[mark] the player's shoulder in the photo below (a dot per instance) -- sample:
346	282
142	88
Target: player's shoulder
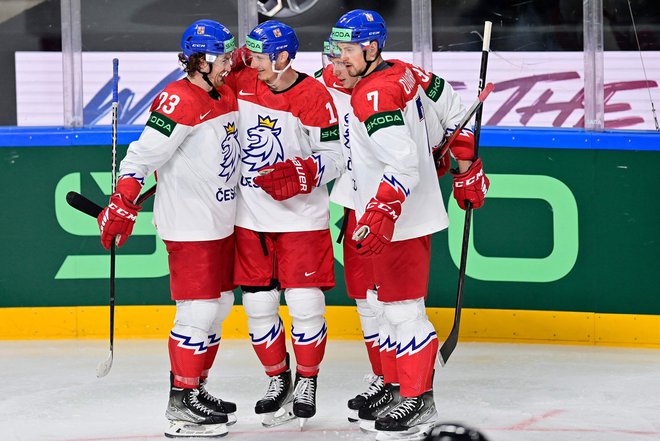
177	102
311	102
381	91
309	92
432	84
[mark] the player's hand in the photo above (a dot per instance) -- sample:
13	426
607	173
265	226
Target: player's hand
471	186
286	179
376	226
462	147
442	161
118	218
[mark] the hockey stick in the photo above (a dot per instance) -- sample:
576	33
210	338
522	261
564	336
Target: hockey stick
474	108
81	203
104	367
450	343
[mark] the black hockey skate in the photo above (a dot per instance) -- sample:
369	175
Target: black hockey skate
275	406
216	404
189	418
375	390
304	398
411	419
378	405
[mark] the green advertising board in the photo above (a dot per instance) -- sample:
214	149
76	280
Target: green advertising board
563	229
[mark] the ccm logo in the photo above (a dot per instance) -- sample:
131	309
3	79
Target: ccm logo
469	181
123	213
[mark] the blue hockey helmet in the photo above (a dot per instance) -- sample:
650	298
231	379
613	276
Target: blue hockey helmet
272	37
360	26
207	37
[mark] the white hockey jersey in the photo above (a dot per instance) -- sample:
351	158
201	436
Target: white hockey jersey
300	121
191	142
389	140
344	186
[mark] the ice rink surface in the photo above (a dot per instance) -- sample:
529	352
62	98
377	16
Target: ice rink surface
510	392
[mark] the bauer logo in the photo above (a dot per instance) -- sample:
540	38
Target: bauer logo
384	119
161	123
339	34
254	45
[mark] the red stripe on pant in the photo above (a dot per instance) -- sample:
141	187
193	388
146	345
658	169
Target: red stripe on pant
416	371
186	366
272	357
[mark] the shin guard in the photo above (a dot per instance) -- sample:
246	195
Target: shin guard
417	346
266	329
188	342
370	326
309	329
226	301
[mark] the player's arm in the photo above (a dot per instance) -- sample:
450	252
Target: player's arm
445	110
300	175
470	182
159	140
393	145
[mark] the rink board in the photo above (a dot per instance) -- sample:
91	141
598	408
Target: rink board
565	249
482	325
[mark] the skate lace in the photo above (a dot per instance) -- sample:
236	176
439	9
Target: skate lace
207	396
194	402
305	391
375	387
275	388
403	408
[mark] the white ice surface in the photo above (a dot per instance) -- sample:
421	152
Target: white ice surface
511	392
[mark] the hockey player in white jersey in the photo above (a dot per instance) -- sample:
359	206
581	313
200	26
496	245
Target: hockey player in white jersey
290	140
191	141
443	110
357	269
396	185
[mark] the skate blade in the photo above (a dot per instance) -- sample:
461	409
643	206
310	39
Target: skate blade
185	429
301	422
368	426
416	433
231	419
282	416
353	416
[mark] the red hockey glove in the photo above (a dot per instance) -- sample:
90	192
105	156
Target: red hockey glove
375	228
462	147
442	163
118	218
471	186
289	178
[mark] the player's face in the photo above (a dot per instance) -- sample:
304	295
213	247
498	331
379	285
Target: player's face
339	70
262	64
221	67
351	54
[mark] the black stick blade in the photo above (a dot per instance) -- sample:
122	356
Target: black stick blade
81	203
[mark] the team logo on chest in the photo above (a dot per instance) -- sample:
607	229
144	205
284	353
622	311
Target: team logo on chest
230	150
264	146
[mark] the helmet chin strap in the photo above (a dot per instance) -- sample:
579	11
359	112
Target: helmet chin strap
368	63
278	72
213	93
